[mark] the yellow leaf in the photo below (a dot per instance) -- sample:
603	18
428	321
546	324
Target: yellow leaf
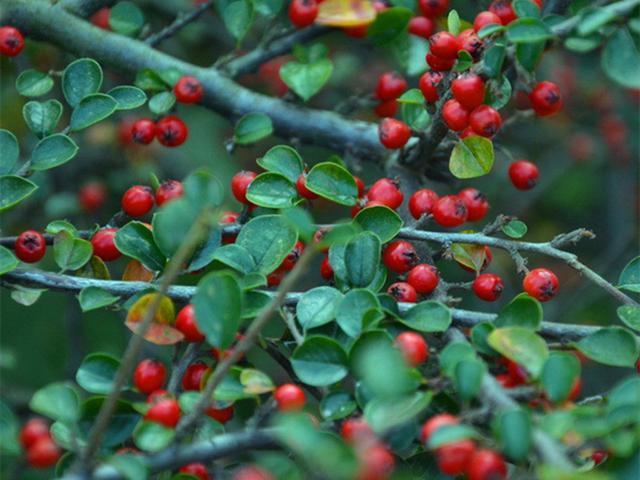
165	314
346	13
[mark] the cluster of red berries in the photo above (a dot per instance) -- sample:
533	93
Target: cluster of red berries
42	451
11	41
303	13
390	86
170	131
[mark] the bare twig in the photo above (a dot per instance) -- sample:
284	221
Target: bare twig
182	20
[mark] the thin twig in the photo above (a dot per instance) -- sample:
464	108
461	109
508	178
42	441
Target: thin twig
181	21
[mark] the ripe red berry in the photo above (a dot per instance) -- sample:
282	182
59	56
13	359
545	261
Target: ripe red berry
376	463
360	185
476	203
424	278
486	464
198	470
385	192
444	45
455	115
32	431
274	278
301	185
169	190
30	246
439	64
171	131
453	458
355	429
485	121
517	373
402	292
289	397
188	90
433	8
303	13
220	415
434	423
390	86
11	41
421	26
326	270
523	174
43	453
186	323
429	82
149	376
386	109
239	184
104	245
92	196
229	218
414	348
471	43
422	202
292	258
468	90
485	18
393	133
599	456
576	388
504	10
400	256
137	201
545	99
101	18
165	411
143	131
488	287
450	211
541	284
193	375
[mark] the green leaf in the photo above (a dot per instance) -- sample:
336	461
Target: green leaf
412	109
126	18
9	431
523	311
521	345
493	60
333	182
96	373
389	25
621	59
203	189
558	375
526	8
272	190
237	16
614	346
135	240
450	434
284	160
91	110
630	276
529	54
206	253
317	306
381	220
161	103
514	430
58	226
92	298
14	190
53	151
80	79
498	92
479	334
630	315
32	83
361	259
306	79
236	257
454	353
269	239
71	253
42	117
58	401
252	127
453	23
353	308
428	316
150	80
594	19
319	361
467	378
515	229
128	97
583	44
8	260
383	414
218	303
490	30
152	437
129	465
337	405
528	30
10	152
175	216
471	157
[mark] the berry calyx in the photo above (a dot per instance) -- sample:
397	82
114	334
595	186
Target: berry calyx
485	121
171	131
541	283
523	174
444	45
11	41
421	27
433	8
92	196
43	453
165	411
137	201
453	458
385	192
485	18
476	203
422	202
455	115
424	278
240	183
168	190
303	13
450	211
186	323
32	431
488	287
434	423
193	375
468	90
486	464
301	185
188	90
393	133
149	376
414	348
143	131
400	256
104	245
198	470
390	86
289	397
428	84
402	292
30	246
545	99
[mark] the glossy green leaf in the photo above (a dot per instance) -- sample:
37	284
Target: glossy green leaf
92	298
91	110
526	8
9	431
150	80
126	18
467	378
558	375
515	433
284	160
361	259
471	157
237	16
80	79
528	30
135	240
42	117
380	220
450	434
490	29
453	23
522	345
252	127
479	334
272	190
333	182
8	260
614	346
498	92
593	19
129	465
32	83
318	306
128	97
14	190
306	79
515	229
236	257
10	152
269	239
530	54
428	316
630	315
152	437
493	60
53	151
71	253
453	354
319	361
203	189
161	103
523	311
383	414
177	215
630	276
352	309
96	373
206	253
412	110
621	59
389	25
337	405
58	401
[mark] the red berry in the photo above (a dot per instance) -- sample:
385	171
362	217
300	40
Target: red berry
402	292
504	10
165	411
239	184
390	86
485	18
450	211
104	245
169	190
439	64
325	269
476	203
92	196
523	174
220	415
289	397
186	323
414	348
453	458
303	13
360	185
576	388
188	90
541	284
292	258
229	218
387	109
400	256
433	8
376	463
198	470
599	456
101	18
11	41
468	90
301	185
157	395
517	373
149	375
545	99
488	287
422	202
429	82
193	376
274	278
43	453
355	429
444	45
424	278
30	246
171	131
393	133
471	43
137	201
485	121
421	26
455	115
434	423
505	380
486	464
143	131
32	431
386	192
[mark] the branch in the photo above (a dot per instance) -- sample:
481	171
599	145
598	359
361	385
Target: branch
181	21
